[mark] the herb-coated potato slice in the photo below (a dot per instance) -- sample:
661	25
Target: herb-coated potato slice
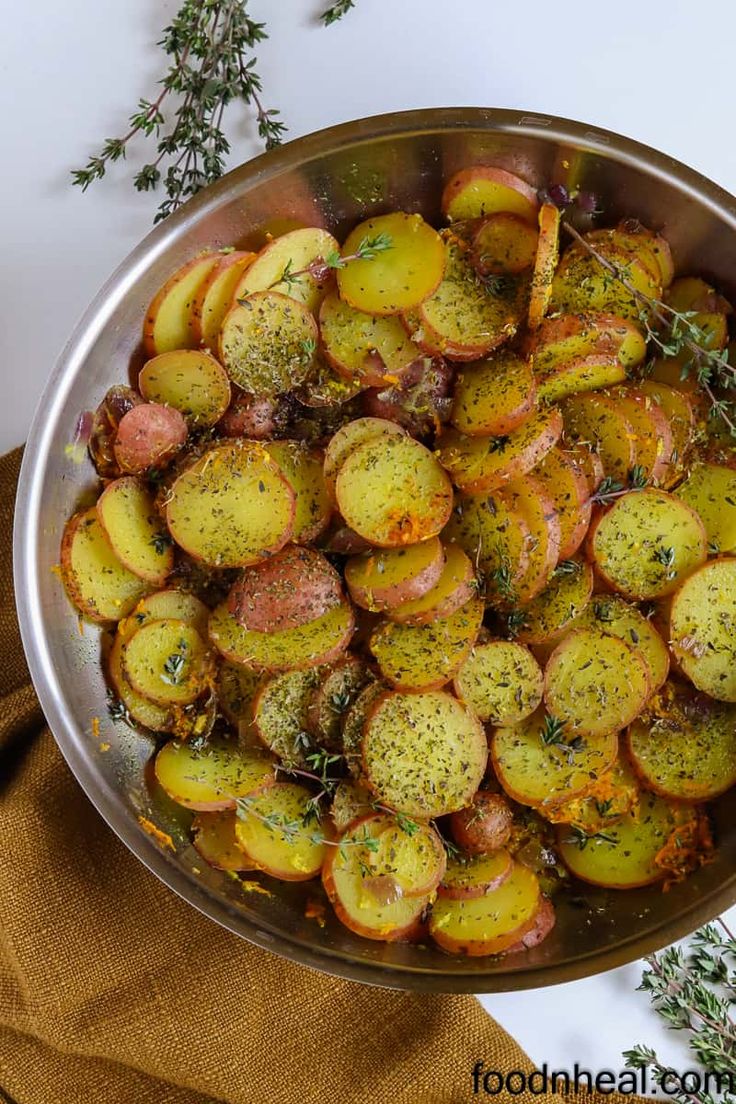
496	538
595	684
684	746
589	462
649	245
280	709
558	607
703	628
167	661
425	657
409	859
679	410
596	421
215	297
493	396
626	855
338	688
627	243
479	464
371	348
396	278
310	645
211	778
273	830
616	793
97	582
354	722
236	689
572	336
588	373
213	836
615	617
367	908
268	343
485	825
278	263
393	491
383	579
467	317
455	586
350	802
232	507
710	490
302	468
501	682
483	190
544	922
141	710
582	284
148	436
424	755
539	764
646	543
469	876
691	295
652	434
503	244
166	604
350	437
169	323
189	380
563	478
489	924
529	496
126	512
545	264
326	387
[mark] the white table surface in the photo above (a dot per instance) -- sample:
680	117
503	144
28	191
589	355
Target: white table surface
657	70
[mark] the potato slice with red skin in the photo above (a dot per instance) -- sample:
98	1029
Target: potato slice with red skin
501	682
303	468
582	284
503	244
325	387
392	491
148	436
640	239
126	512
354	723
691	294
167	661
497	539
710	490
311	645
350	801
544	923
395	279
280	708
118	400
96	581
189	380
652	434
369	349
385	578
646	543
293	587
479	464
559	606
292	253
627	243
350	437
529	497
494	396
249	416
490	924
702	619
589	462
482	190
409	859
426	657
420	401
469	876
545	264
595	684
339	688
295	855
213	837
169	321
679	409
614	616
216	295
571	336
455	586
484	827
599	423
588	373
268	343
211	778
565	483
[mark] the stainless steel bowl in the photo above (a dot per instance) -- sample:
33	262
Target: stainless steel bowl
334	178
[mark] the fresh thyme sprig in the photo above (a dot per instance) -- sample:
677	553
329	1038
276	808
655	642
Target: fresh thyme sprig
579	838
336	11
610	489
683	335
174	665
552	734
321	267
292	829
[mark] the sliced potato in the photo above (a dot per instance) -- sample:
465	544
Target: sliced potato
616	792
503	244
189	380
455	586
545	264
496	538
615	617
395	279
588	373
302	468
167	661
479	464
280	714
703	628
354	722
582	284
274	832
501	682
564	480
349	438
710	490
595	684
483	190
684	746
651	246
393	491
653	442
372	349
540	765
215	297
529	497
691	295
559	606
469	876
338	689
383	579
494	396
489	924
407	860
126	512
148	436
165	604
679	410
213	836
232	506
156	718
310	645
574	336
485	825
211	778
596	421
425	657
280	266
292	588
646	543
236	688
423	754
268	343
350	802
169	322
97	582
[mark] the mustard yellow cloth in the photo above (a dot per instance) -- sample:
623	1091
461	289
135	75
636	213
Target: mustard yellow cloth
114	991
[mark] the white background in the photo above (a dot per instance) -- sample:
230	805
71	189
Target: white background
657	70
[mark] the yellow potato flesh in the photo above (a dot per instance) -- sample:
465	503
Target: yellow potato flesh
597	421
456	574
414	860
214	839
710	490
420	657
559	605
378	575
157	718
501	682
491	923
616	793
588	374
354	723
212	777
583	285
272	831
96	580
170	603
281	714
494	536
489	391
236	690
591	331
167	661
481	196
350	801
491	461
318	641
352	339
615	617
472	875
563	479
268	343
685	295
703	629
169	323
303	470
217	298
189	380
528	496
350	437
135	530
290	254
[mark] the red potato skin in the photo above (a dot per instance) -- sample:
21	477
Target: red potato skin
457	182
345	541
292	587
249	416
589	463
471	892
524	463
660	429
530	587
421	400
65	556
387	598
462	593
485	825
115	405
544	923
148	436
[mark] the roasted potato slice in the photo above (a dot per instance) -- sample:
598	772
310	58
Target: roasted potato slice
190	381
564	480
148	436
214	777
236	689
96	580
455	586
708	310
126	512
425	657
496	538
280	714
588	373
215	297
569	337
339	687
354	722
615	617
559	606
385	578
501	682
616	793
489	924
529	497
350	802
303	469
503	244
653	442
483	190
167	662
372	349
325	387
213	836
349	438
493	396
596	421
169	321
479	464
702	628
268	343
679	409
273	830
142	711
485	825
710	490
280	266
469	876
310	645
545	264
583	285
